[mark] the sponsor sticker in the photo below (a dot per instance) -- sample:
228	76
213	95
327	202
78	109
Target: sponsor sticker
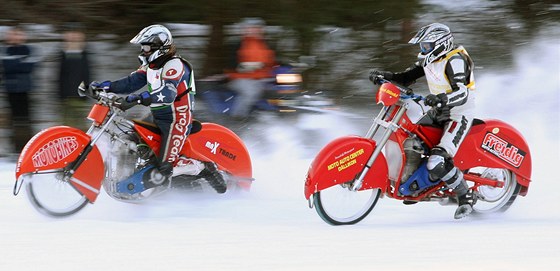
347	159
170	72
390	92
55	151
215	148
503	149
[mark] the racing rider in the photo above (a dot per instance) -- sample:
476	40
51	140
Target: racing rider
449	71
170	96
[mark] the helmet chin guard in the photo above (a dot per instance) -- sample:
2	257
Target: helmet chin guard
435	41
143	60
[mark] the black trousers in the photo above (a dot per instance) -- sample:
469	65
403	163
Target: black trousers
20	122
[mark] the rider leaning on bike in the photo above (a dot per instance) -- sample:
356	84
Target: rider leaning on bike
170	93
449	72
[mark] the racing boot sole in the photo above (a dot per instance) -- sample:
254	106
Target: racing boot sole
214	177
463	211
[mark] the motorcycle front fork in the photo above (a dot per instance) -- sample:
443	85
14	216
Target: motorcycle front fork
390	127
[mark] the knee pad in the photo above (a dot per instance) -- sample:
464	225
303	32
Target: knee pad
440	166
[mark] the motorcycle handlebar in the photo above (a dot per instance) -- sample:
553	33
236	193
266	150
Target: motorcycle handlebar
406	91
108	98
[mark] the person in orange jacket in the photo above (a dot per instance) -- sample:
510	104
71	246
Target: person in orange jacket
253	69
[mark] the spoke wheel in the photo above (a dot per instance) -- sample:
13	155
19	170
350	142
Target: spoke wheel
496	199
339	205
52	196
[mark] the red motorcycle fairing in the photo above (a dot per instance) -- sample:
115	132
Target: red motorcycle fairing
341	161
56	147
212	142
220	145
149	133
431	135
496	144
388	94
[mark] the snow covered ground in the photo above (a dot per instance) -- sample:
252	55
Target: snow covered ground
271	227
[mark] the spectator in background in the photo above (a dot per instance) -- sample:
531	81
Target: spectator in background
252	69
74	68
17	68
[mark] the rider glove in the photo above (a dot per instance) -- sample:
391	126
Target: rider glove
375	75
439	116
105	85
144	98
439	100
443	114
123	104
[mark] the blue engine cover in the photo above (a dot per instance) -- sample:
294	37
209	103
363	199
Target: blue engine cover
135	183
418	181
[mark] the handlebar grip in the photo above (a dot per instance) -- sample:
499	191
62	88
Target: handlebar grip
88	91
124	105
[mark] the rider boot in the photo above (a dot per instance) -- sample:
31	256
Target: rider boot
188	166
214	177
440	167
165	169
464	198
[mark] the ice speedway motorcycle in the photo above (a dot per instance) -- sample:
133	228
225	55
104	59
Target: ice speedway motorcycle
347	177
64	168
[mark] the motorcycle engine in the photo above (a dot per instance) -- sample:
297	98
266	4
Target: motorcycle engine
123	161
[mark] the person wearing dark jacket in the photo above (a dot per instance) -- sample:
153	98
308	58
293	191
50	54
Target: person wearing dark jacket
17	68
74	68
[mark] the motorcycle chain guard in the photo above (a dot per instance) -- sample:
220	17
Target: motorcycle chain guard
135	183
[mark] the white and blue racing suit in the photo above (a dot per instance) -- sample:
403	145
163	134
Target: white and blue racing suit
171	88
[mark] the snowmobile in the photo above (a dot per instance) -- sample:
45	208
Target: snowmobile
284	92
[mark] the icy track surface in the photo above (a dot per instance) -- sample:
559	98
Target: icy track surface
271	228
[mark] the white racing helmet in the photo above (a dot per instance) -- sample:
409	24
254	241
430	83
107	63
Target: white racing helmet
155	40
435	41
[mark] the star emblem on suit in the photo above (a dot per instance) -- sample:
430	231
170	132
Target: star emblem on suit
160	97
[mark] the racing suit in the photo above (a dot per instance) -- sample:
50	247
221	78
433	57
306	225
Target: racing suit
452	75
171	88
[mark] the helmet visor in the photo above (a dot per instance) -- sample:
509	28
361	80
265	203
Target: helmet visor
145	48
427	46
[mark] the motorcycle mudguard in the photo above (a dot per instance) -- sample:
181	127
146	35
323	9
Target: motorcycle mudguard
496	144
55	148
220	145
341	161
